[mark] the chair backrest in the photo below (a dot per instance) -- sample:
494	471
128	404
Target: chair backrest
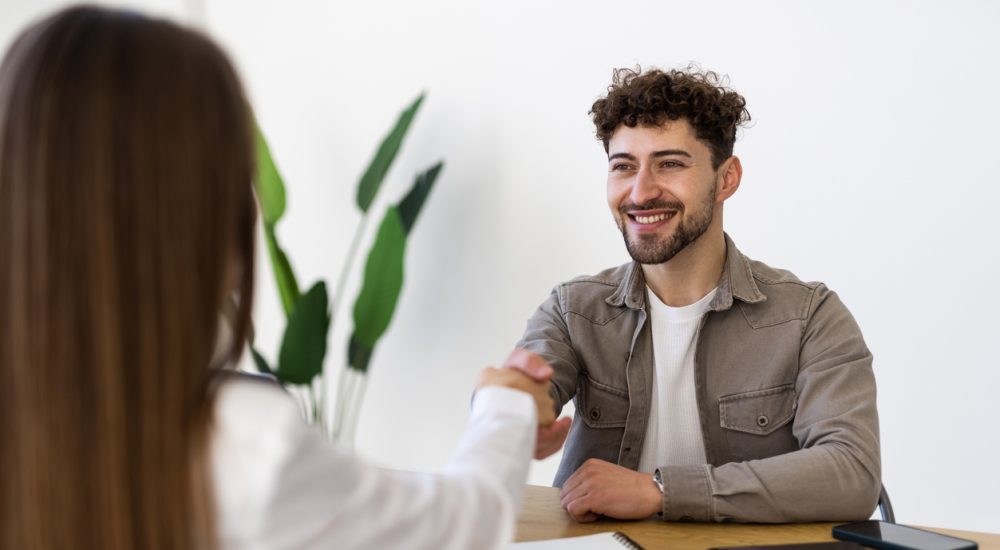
885	506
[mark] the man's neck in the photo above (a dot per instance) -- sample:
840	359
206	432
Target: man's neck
691	274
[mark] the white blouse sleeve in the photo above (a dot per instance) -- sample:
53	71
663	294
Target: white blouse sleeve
280	484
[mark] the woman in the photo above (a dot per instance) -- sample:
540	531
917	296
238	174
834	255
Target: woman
126	222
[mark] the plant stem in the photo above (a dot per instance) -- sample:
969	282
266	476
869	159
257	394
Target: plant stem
355	408
346	269
323	423
317	396
343	380
311	400
338	414
298	392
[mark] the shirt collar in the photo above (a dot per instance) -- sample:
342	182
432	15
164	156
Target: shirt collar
737	282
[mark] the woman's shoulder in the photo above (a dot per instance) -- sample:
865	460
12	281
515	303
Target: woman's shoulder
245	398
256	429
254	417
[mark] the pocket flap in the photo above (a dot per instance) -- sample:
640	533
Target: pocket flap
602	406
758	412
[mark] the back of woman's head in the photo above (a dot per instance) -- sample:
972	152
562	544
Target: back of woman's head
126	224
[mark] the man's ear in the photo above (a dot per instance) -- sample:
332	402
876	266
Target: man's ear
729	176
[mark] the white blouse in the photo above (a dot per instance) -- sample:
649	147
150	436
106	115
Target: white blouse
280	484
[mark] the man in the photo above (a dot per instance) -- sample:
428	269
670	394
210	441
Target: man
708	386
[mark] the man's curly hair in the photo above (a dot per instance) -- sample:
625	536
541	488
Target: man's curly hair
653	97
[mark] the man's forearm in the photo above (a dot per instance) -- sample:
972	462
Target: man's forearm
822	483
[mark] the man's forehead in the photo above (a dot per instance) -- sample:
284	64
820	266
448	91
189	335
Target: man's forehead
642	139
679	128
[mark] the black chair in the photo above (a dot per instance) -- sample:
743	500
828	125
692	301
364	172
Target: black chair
885	506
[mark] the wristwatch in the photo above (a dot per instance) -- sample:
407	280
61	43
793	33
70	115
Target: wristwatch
658	480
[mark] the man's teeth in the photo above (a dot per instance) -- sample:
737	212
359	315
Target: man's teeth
651	219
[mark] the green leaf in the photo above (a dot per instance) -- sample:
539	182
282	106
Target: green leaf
269	185
414	200
383	280
372	179
304	344
271	196
288	286
260	362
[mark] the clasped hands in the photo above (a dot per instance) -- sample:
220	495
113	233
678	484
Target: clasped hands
596	488
527	372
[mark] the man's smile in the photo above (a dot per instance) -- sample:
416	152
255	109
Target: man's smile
646	220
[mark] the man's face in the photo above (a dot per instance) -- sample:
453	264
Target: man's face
661	188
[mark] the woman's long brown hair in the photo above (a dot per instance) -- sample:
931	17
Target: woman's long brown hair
126	223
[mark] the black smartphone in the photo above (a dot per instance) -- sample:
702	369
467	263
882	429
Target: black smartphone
838	545
889	536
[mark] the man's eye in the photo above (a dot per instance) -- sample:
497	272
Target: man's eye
619	166
670	164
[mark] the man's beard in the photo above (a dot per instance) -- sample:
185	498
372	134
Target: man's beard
651	248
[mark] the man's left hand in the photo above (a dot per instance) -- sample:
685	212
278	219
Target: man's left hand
600	488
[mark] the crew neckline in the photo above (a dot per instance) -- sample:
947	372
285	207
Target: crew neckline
680	314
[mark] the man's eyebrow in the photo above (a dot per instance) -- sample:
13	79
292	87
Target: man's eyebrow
671	153
656	154
626	156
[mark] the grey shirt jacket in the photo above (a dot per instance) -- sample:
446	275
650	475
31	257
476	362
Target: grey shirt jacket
784	384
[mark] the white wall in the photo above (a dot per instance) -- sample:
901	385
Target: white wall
870	165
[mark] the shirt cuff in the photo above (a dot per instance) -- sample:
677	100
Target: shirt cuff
505	401
687	494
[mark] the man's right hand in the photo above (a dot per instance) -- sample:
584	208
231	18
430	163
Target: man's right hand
550	438
518	380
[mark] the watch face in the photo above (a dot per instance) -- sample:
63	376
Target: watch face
658	480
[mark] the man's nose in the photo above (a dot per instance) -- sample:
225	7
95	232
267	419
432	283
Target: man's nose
644	189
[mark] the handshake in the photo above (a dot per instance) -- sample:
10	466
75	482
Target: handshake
598	487
527	372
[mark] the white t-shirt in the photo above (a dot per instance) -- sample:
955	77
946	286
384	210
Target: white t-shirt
673	432
280	484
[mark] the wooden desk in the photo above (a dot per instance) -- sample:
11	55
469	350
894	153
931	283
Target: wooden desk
542	517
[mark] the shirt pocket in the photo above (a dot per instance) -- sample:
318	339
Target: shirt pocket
758	412
602	406
757	423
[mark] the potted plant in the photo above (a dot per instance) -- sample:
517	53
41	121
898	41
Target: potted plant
301	364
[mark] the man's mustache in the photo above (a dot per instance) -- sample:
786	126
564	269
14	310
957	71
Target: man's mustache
651	205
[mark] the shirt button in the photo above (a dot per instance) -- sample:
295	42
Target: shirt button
595	413
762	421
